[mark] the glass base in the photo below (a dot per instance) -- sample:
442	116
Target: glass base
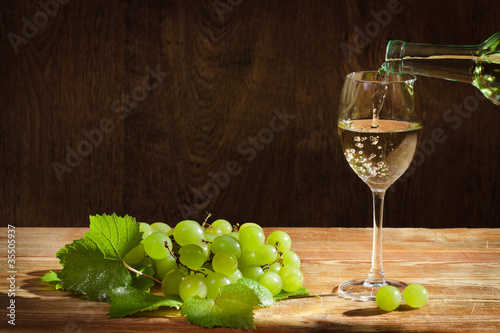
360	290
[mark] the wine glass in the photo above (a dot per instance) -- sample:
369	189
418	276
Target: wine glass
379	130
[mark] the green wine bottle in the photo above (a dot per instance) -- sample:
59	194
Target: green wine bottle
478	65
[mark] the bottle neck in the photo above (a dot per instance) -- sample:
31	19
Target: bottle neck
440	61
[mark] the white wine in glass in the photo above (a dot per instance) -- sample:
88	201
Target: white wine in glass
379	129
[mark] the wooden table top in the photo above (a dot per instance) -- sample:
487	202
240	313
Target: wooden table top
459	267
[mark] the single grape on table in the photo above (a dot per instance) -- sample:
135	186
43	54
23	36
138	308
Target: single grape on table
388	298
415	295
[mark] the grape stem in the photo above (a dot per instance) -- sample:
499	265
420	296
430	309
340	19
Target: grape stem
140	273
192	270
171	253
280	259
206	219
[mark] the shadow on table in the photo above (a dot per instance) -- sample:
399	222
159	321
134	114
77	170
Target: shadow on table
40	288
375	311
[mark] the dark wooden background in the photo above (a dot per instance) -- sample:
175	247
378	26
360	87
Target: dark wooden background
227	68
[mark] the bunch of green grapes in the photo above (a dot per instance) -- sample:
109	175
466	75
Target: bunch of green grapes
198	260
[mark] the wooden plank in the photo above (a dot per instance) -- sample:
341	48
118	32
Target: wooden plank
459	267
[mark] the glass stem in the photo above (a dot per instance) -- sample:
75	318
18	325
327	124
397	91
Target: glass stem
376	276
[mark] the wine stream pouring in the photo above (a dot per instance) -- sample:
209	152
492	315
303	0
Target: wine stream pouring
478	65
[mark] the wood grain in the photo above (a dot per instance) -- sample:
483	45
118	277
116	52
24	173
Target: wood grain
459	267
226	74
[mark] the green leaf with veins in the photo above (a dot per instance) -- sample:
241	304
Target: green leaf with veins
93	264
264	295
140	281
232	308
50	277
126	301
115	236
302	292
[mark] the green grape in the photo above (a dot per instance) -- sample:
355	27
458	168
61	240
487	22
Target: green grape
226	244
146	229
188	232
388	298
206	249
204	271
184	269
156	245
271	281
162	227
211	229
208	265
251	238
292	278
192	285
252	272
136	255
163	266
249	224
281	238
235	276
266	254
415	295
234	234
147	262
275	267
224	226
246	259
291	258
210	237
192	256
215	282
225	262
171	281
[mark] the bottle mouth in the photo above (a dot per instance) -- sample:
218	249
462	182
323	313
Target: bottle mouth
394	54
393	66
395	50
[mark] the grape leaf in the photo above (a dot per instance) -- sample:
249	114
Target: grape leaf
115	236
302	292
232	308
126	301
141	282
92	265
50	277
264	295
